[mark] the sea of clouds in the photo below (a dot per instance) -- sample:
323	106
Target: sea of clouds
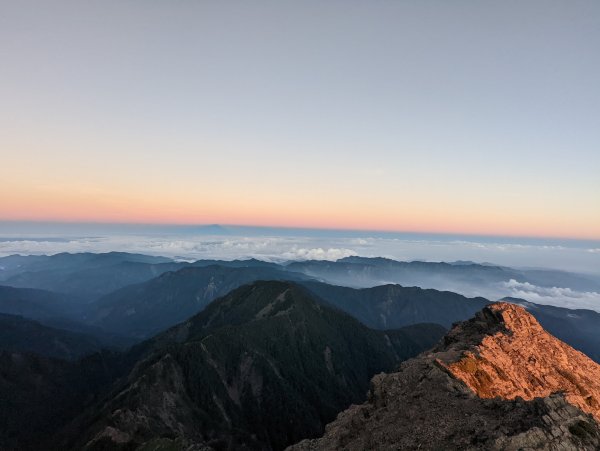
558	296
189	247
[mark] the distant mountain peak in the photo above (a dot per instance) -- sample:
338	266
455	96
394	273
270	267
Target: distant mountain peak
258	301
359	259
212	229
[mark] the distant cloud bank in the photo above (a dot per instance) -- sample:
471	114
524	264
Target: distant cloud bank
558	296
273	247
285	247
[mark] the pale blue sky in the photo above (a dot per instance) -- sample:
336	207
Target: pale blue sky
458	116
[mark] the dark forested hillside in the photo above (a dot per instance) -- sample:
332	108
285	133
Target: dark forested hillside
36	304
259	368
18	334
39	395
145	309
85	276
392	306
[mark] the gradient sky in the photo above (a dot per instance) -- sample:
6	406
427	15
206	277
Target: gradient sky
444	116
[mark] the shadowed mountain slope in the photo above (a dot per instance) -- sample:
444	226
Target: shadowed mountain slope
36	304
39	395
260	368
56	311
392	306
467	278
18	334
87	276
145	309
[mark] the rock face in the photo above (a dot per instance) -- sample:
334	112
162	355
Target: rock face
523	360
496	382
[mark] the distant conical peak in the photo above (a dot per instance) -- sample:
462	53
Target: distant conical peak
504	353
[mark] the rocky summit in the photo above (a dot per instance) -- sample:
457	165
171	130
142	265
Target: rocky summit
521	360
498	381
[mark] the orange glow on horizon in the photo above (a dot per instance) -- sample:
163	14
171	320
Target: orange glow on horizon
122	212
255	207
137	123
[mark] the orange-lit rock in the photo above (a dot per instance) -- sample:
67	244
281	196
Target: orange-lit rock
495	382
521	359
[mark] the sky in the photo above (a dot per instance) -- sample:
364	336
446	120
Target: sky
473	117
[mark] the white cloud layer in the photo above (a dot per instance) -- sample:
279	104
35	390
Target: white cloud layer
317	253
279	248
558	296
283	248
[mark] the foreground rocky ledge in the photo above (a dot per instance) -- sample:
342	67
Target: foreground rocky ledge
497	381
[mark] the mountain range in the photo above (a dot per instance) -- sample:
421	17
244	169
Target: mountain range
468	278
124	351
238	375
91	276
137	311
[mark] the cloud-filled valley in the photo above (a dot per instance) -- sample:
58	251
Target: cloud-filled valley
285	247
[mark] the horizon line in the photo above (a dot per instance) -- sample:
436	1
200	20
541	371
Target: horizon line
299	228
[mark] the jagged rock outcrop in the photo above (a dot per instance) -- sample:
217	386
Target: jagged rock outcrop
496	382
522	360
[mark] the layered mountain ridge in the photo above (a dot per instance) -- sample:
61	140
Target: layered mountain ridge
260	368
151	307
272	362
